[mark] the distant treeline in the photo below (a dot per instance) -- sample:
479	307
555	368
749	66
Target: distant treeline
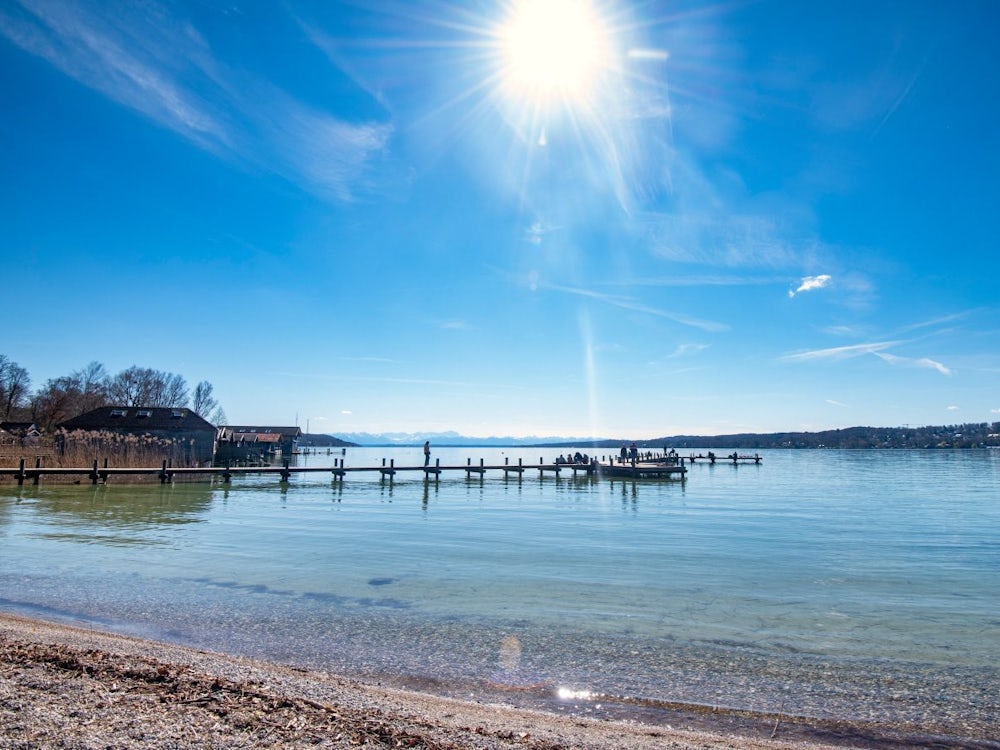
972	435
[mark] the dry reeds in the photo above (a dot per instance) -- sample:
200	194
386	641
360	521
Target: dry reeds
81	448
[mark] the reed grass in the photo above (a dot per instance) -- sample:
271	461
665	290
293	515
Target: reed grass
80	449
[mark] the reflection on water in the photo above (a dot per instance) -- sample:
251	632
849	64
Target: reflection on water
831	582
111	514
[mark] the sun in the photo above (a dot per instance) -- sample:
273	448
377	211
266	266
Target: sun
553	49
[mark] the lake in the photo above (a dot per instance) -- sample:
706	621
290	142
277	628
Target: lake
862	585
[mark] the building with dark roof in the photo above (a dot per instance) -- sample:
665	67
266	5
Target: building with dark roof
287	443
186	429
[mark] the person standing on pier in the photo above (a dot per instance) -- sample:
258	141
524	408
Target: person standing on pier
427	452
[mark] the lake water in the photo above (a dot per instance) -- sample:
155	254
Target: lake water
855	584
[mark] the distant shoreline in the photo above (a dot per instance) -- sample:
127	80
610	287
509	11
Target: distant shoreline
968	435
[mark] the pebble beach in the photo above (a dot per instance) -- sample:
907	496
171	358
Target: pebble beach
70	687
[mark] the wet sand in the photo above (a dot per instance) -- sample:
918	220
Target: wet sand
70	687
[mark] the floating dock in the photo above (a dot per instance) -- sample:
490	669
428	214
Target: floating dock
642	470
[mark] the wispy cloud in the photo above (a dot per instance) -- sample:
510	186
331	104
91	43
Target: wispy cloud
535	233
840	331
936	321
721	238
132	58
686	350
839	352
837	403
810	283
628	303
162	67
892	359
659	55
681	280
384	360
877	349
952	408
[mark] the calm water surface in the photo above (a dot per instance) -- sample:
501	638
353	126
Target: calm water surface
855	584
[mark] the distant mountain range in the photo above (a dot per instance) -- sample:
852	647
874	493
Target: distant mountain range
969	435
450	439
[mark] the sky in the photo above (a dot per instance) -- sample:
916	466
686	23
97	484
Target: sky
612	219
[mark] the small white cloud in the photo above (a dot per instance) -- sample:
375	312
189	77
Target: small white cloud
455	325
837	403
953	408
809	283
346	412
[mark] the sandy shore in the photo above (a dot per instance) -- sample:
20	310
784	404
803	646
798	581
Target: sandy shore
67	687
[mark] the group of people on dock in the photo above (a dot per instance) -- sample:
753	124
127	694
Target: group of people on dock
576	458
629	452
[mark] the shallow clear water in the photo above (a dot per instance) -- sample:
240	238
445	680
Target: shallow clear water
860	584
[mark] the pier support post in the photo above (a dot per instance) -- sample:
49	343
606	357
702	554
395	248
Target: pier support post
20	474
38	474
387	472
285	473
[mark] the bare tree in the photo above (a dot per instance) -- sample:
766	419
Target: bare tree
173	391
203	402
14	385
71	395
56	401
93	381
206	405
143	386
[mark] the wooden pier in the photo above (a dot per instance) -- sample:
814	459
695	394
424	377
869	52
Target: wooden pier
733	458
100	474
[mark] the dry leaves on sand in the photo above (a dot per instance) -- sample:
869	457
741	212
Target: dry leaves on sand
96	699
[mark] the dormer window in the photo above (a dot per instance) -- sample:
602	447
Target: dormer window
178	413
119	412
144	413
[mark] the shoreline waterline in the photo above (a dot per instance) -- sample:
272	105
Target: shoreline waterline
729	689
643	724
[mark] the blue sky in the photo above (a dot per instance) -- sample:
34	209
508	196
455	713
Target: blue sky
663	218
